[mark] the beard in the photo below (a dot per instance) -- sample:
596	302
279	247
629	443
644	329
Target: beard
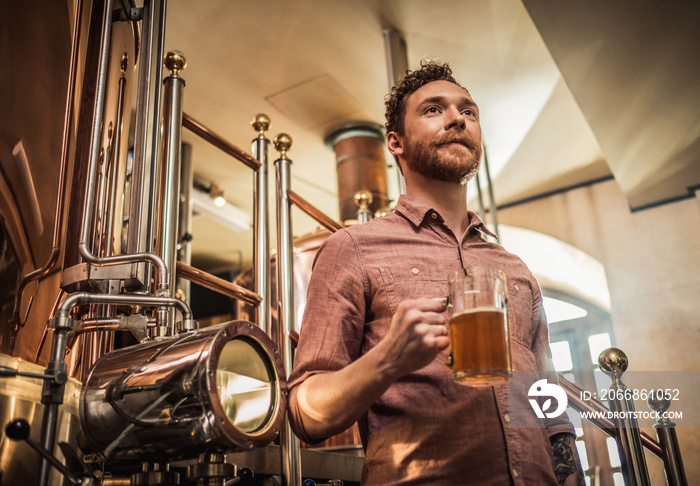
439	160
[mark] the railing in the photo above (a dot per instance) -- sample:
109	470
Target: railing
290	447
260	222
631	442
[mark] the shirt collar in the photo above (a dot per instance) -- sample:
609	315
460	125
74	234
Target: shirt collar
416	211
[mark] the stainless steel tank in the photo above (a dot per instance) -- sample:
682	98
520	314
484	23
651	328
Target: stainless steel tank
216	389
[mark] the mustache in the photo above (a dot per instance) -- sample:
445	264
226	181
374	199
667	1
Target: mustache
462	138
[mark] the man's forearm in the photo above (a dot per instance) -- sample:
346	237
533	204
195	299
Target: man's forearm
331	402
567	465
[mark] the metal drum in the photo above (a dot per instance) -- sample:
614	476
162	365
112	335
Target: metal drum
20	398
217	389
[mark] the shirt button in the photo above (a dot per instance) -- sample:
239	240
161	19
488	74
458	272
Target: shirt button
507	417
415	271
433	215
516	287
515	473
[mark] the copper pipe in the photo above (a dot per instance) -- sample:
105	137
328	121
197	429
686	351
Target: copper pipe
58	220
217	284
325	220
46	329
218	141
294	336
573	393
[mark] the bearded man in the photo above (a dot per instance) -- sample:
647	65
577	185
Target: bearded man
374	339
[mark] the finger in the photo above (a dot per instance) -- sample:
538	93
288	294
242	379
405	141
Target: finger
437	304
434	318
436	330
438	343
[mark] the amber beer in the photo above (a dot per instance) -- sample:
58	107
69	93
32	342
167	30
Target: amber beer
479	338
479	346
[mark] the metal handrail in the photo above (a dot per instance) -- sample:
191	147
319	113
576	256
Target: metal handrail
218	141
217	284
573	393
323	219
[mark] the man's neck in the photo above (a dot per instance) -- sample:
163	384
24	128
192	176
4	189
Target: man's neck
449	199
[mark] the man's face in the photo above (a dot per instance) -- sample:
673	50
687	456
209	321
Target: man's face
442	136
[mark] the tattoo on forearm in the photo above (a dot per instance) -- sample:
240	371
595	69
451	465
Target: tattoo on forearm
566	460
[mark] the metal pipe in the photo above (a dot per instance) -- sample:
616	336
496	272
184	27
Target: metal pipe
147	131
114	161
323	219
218	141
291	454
184	253
261	224
479	196
81	298
666	433
169	201
65	147
634	468
88	209
492	198
673	462
397	65
217	284
51	399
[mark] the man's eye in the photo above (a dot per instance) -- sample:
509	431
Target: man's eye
469	112
432	109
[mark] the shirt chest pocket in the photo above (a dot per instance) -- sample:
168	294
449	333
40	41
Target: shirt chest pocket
520	313
413	281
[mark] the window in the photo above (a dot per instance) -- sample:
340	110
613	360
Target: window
578	332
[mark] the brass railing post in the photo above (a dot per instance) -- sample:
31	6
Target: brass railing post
261	224
291	454
629	443
666	433
169	184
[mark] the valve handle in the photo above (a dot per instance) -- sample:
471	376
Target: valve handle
19	429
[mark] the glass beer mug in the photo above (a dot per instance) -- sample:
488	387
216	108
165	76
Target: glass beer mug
479	338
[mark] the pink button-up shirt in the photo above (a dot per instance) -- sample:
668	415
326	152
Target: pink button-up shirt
425	429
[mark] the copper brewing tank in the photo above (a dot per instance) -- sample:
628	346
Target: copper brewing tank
360	158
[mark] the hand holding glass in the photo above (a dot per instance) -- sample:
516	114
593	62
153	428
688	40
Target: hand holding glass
479	337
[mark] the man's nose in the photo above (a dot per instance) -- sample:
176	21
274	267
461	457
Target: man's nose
455	118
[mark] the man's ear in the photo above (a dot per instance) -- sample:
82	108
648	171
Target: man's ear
394	143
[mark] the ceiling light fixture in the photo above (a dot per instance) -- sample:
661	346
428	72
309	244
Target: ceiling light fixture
217	194
223	212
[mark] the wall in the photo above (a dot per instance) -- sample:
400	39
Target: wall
652	261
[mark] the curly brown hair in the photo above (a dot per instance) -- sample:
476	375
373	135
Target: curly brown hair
396	100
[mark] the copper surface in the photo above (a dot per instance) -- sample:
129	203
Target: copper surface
361	166
323	219
218	141
216	284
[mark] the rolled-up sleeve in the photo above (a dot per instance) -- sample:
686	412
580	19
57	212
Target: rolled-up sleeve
330	337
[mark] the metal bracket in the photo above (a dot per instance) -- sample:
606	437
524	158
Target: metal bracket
132	274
